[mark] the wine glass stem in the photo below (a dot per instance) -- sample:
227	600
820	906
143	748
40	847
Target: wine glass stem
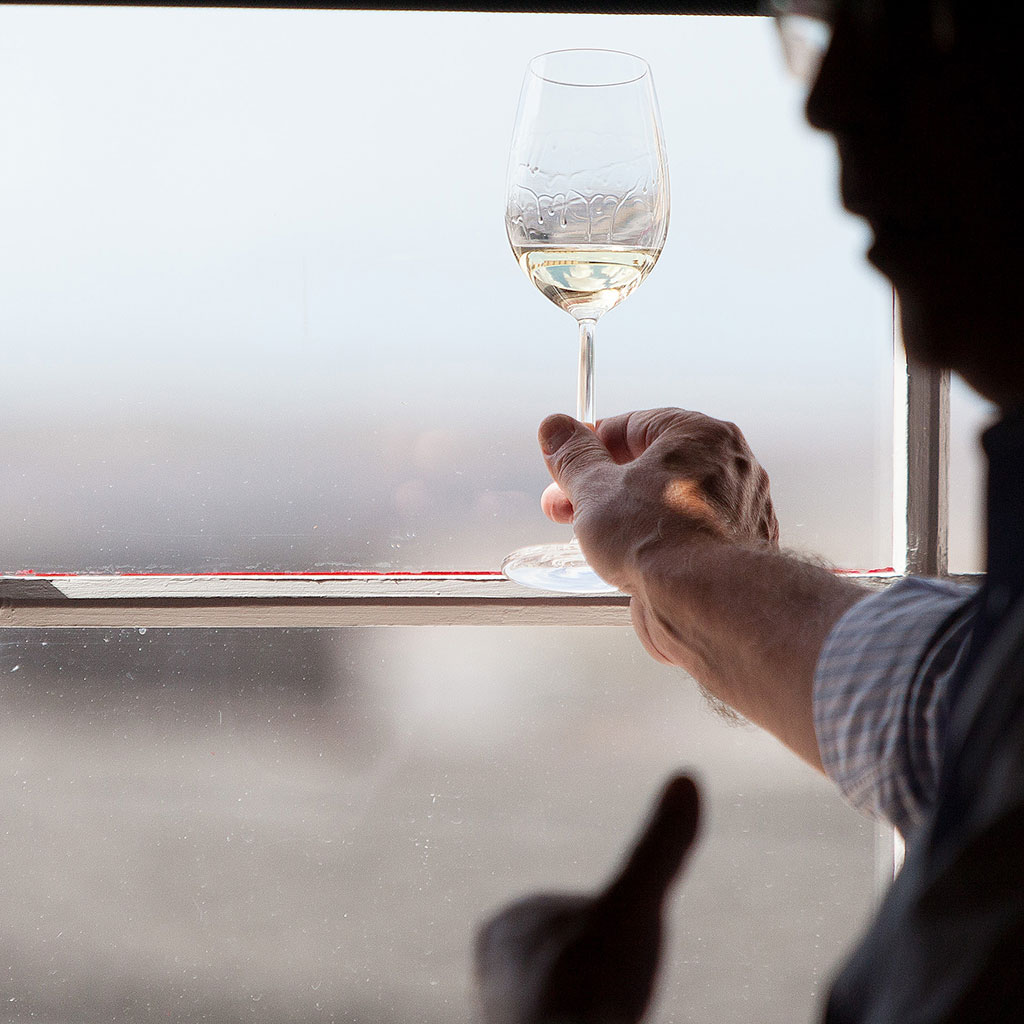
585	390
585	393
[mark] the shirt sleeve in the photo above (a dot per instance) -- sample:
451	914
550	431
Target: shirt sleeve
880	695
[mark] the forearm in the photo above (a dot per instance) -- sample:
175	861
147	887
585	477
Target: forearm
746	622
672	507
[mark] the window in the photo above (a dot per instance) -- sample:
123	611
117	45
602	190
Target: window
969	415
307	825
259	318
263	316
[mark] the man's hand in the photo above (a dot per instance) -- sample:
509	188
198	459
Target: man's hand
648	479
671	507
561	958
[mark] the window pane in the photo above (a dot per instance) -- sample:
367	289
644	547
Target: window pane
259	311
969	415
304	826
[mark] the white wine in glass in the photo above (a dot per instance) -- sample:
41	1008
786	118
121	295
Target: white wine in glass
587	210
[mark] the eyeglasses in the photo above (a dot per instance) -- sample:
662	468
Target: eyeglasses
805	27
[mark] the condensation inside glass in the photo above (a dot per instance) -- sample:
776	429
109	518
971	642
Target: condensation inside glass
299	825
259	311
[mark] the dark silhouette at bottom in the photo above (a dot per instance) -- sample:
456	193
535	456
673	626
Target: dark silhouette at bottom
573	958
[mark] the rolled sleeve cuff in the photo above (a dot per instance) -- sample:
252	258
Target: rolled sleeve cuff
879	695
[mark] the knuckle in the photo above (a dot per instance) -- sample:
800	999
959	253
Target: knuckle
730	436
572	461
656	423
715	486
679	459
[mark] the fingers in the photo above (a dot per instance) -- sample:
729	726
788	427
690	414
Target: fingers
629	435
662	846
708	471
657	477
556	506
574	455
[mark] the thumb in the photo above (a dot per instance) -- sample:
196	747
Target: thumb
655	860
572	452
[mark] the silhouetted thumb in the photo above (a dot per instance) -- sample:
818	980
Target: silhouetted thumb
655	860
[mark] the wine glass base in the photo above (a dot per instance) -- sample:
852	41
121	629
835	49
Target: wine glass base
557	567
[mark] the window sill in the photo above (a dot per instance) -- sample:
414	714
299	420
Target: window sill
297	600
305	600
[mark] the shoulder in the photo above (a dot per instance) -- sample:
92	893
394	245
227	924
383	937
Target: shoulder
879	695
960	888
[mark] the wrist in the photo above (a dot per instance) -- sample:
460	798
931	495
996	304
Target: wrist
680	553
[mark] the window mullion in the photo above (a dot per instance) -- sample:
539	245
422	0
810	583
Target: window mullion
922	400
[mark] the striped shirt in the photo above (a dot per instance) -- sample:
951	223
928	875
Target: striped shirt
881	695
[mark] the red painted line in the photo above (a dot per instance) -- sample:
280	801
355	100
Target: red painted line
431	574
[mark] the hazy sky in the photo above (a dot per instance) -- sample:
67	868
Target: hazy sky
298	214
233	202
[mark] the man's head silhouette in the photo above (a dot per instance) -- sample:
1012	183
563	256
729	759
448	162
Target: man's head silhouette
925	100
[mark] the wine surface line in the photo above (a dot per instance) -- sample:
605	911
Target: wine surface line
586	280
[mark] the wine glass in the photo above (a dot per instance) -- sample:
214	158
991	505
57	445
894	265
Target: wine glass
587	209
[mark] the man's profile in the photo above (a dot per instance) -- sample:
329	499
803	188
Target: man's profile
911	700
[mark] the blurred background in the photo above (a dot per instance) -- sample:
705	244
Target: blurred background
290	826
257	312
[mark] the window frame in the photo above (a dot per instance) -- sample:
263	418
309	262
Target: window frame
921	449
